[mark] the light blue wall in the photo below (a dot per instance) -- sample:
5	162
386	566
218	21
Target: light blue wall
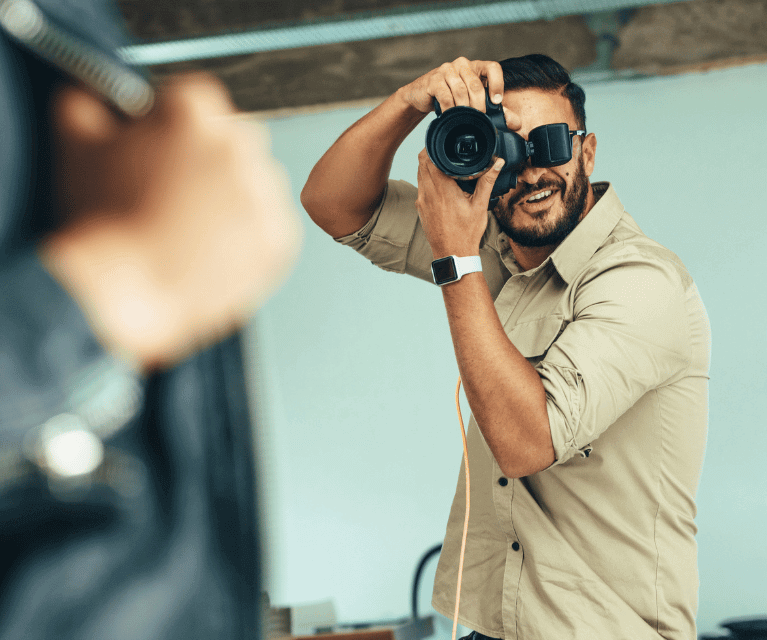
360	443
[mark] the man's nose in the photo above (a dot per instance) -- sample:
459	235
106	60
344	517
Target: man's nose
531	174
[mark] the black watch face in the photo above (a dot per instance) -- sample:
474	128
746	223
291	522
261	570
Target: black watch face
444	270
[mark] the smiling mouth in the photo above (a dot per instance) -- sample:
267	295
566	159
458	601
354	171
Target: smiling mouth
540	196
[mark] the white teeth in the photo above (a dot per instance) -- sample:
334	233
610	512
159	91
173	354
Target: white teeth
539	196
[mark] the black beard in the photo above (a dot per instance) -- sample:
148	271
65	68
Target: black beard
574	202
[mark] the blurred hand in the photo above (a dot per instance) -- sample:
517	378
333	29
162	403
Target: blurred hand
177	225
454	221
461	82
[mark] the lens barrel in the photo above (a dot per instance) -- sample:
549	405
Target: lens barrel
462	142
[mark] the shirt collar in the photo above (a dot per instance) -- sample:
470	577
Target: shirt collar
590	234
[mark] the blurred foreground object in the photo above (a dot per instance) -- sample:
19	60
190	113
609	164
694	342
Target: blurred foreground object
747	628
131	251
176	225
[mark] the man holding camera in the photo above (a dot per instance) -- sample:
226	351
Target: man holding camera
583	347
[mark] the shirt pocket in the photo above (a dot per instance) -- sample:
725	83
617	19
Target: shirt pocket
534	337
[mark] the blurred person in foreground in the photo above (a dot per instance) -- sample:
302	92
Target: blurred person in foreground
132	249
583	347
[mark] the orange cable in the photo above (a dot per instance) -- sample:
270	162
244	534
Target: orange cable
466	518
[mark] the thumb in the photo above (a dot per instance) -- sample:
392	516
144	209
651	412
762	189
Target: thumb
486	182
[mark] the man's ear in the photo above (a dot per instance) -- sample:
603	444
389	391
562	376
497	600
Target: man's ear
589	151
81	116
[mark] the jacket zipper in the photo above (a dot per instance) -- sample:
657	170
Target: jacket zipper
122	86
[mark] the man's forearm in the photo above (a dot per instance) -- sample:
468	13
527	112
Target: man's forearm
347	183
504	391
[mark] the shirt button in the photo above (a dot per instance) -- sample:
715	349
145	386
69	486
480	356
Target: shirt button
503	482
515	546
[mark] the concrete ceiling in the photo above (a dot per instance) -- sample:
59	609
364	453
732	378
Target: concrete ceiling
657	39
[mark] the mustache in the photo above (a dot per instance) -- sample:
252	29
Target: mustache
529	189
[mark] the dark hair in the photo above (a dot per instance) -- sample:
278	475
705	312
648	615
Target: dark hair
537	71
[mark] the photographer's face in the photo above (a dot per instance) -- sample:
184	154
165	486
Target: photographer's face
561	195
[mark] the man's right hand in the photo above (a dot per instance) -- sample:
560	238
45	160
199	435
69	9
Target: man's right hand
461	82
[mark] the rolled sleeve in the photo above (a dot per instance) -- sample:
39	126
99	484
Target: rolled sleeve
393	238
563	405
629	334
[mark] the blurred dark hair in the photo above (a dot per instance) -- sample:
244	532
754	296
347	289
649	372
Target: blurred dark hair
537	71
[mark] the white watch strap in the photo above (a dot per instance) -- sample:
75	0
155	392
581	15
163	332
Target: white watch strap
467	264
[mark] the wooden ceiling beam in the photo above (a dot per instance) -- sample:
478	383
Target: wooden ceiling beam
658	39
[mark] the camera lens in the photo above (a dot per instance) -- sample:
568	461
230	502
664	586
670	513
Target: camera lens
467	146
461	142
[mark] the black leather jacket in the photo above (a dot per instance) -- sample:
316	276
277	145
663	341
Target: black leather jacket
127	505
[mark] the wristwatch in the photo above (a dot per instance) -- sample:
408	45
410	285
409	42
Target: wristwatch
452	268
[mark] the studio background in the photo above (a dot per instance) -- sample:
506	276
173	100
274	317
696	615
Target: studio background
353	372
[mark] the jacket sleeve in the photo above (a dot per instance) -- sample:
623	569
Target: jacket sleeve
55	377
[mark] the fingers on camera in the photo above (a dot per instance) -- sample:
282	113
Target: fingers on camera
463	82
494	75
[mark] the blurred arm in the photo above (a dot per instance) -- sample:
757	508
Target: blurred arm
176	226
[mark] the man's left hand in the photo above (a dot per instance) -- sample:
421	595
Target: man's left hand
453	220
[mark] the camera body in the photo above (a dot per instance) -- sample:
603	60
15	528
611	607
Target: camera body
463	143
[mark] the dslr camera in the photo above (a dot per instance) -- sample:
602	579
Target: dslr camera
463	143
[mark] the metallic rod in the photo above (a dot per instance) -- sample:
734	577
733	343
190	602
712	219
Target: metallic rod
370	26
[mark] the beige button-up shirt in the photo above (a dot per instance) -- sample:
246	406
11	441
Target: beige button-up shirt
601	545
